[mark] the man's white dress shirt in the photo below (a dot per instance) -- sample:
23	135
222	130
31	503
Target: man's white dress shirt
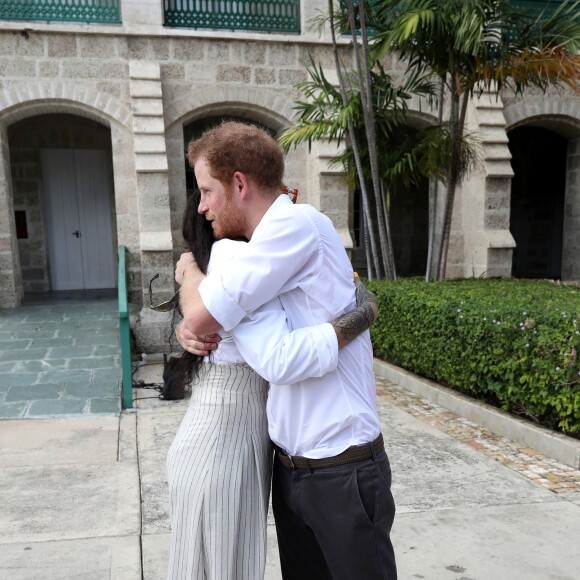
296	254
263	338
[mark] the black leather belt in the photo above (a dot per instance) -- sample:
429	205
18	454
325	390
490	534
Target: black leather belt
350	455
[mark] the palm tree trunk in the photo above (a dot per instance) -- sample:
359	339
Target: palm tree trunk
433	191
369	234
363	70
369	258
457	121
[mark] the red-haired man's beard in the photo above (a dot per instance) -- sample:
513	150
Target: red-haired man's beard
229	222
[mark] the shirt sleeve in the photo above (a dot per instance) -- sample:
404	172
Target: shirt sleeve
280	356
284	253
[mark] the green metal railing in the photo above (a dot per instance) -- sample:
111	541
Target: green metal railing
89	11
266	15
125	332
538	6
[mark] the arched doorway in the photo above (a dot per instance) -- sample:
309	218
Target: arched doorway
537	201
408	219
63	195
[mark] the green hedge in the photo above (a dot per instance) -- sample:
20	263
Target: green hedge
511	343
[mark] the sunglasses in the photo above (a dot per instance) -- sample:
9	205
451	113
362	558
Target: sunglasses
166	306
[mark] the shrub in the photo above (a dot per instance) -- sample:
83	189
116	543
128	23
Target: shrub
512	343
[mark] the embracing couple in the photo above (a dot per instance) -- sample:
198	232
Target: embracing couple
280	328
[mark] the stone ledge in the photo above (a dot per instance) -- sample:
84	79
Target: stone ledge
156	242
550	443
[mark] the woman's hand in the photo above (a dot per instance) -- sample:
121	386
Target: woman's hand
185	261
199	345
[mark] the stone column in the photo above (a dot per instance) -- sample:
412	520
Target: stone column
151	169
10	275
571	241
488	243
327	190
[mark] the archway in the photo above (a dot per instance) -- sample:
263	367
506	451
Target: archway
64	203
537	201
408	219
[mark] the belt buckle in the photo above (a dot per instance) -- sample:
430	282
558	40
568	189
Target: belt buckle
291	462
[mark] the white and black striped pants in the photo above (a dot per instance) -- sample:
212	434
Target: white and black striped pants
219	470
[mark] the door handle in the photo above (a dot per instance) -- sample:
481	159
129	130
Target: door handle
76	234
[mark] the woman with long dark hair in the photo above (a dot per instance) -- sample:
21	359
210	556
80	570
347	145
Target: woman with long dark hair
219	465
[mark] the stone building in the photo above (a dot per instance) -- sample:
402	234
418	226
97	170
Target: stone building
98	99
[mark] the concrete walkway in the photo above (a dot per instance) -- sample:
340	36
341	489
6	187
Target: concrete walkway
60	357
86	498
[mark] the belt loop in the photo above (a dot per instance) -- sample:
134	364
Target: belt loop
373	451
308	467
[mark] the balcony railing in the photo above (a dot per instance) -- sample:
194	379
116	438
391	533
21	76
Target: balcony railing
88	11
265	16
537	6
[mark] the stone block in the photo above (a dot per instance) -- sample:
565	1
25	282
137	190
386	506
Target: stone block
94	70
31	44
50	407
190	49
17	68
200	73
134	47
147	107
282	55
156	241
173	70
150	144
34	392
7	43
146	163
62	46
68	375
254	53
154	220
159	48
234	74
218	51
105	406
265	76
145	88
101	47
48	69
152	125
292	76
159	261
12	410
5	243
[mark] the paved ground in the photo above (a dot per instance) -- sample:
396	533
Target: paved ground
60	357
85	497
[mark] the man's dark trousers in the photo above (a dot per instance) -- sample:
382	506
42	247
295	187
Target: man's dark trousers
334	523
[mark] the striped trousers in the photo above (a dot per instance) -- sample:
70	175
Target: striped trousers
219	470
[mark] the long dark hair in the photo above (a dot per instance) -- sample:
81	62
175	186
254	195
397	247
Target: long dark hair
198	234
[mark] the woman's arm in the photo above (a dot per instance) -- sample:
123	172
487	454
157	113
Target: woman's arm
284	357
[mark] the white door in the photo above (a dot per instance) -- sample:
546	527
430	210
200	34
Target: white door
78	219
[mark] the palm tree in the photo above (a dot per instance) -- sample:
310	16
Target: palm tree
364	112
325	114
476	45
